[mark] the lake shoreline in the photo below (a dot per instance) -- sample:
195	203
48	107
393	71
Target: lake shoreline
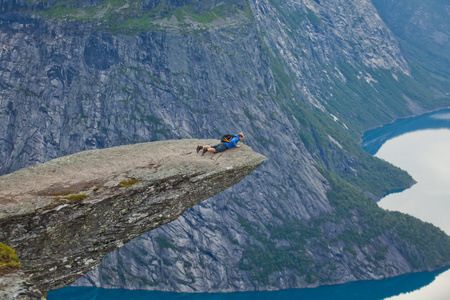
431	111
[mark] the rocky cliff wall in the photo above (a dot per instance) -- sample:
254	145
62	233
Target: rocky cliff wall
273	70
63	216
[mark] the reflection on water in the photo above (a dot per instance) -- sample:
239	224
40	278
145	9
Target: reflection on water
373	139
426	156
367	290
421	146
437	290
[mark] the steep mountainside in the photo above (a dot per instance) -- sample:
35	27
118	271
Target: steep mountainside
423	30
301	79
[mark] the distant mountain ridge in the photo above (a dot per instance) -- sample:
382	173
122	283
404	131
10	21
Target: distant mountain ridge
302	80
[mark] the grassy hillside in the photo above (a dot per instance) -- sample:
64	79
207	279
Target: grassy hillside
133	16
422	29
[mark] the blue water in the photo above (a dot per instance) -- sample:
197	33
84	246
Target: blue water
372	140
367	290
426	285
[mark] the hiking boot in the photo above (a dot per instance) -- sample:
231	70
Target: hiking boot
204	151
199	148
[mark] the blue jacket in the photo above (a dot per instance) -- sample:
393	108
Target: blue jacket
233	142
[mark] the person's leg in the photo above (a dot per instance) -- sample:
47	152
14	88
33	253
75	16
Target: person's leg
205	148
201	147
216	149
208	149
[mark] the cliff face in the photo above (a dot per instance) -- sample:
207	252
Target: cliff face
63	216
301	79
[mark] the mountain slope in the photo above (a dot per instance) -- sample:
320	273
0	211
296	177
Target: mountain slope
300	79
422	29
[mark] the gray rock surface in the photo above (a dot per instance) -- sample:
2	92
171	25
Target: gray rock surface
63	216
16	286
301	79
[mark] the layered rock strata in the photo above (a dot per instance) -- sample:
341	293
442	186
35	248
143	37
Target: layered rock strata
63	216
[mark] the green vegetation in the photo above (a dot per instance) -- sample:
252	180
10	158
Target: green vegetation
296	18
164	242
351	172
131	16
215	14
366	222
371	174
29	93
76	198
361	105
69	199
424	44
9	262
356	166
263	260
153	120
374	221
128	183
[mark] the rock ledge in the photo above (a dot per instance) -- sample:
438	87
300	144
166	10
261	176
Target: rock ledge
63	216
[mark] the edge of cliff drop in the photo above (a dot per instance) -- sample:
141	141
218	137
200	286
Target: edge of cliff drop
63	216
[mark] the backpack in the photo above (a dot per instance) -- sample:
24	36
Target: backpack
226	138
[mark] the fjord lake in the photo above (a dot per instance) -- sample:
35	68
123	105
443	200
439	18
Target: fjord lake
419	145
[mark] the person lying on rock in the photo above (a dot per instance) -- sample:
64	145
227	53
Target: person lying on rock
228	141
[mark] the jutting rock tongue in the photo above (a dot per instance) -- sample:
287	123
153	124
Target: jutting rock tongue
63	216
